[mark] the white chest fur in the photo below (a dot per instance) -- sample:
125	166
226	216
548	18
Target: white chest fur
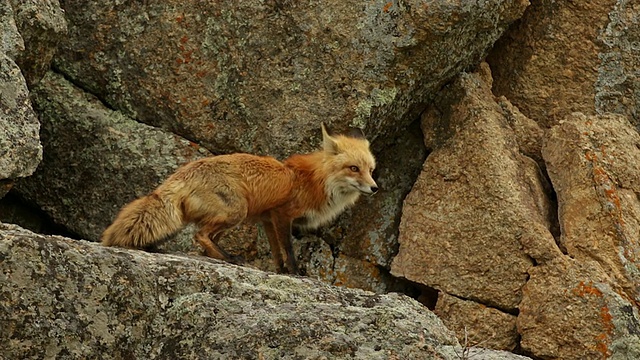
337	203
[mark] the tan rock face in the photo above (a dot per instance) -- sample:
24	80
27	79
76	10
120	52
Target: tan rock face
477	324
478	212
594	164
478	227
584	306
572	310
567	56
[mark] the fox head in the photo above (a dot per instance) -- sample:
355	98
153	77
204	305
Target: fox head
349	162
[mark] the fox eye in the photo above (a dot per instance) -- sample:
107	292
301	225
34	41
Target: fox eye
354	168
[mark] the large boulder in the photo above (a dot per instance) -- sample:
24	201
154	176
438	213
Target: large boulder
586	306
20	149
573	310
566	56
479	217
594	165
72	299
259	76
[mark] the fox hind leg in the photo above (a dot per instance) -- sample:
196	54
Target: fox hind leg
210	246
209	234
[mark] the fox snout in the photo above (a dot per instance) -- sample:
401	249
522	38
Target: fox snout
372	189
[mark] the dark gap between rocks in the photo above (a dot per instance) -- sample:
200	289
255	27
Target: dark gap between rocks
14	209
555	216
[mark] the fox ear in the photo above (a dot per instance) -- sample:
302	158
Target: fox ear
356	133
326	130
329	144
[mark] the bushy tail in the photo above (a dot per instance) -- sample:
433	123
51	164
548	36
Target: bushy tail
143	222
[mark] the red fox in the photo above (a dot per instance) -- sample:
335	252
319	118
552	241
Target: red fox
219	192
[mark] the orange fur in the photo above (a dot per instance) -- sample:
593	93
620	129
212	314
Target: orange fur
220	192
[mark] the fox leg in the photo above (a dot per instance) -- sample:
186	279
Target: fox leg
284	231
208	237
279	234
275	245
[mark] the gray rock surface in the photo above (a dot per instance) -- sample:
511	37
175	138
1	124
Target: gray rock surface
20	149
71	299
95	159
42	26
258	76
618	83
11	43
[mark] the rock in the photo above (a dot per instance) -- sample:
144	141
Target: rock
21	150
528	133
19	127
19	141
594	165
477	324
316	257
42	26
362	274
565	56
11	43
475	353
572	310
75	299
478	217
14	210
584	305
258	76
253	77
96	159
618	82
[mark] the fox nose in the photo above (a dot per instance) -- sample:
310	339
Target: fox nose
374	189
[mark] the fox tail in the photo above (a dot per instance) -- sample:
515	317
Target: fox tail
144	222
